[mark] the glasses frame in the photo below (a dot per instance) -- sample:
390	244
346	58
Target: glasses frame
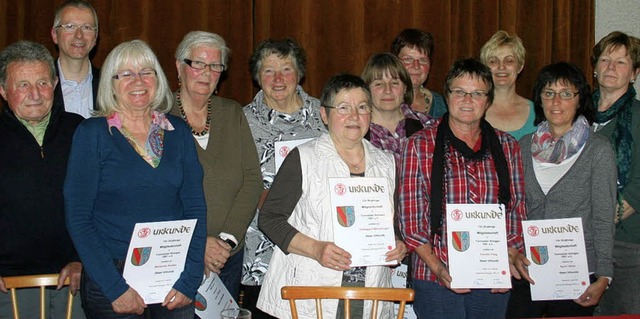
413	61
350	108
462	94
72	28
142	75
214	67
567	98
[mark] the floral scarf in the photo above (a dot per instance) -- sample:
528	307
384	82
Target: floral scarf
545	150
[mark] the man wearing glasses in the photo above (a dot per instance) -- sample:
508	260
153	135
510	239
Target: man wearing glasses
75	31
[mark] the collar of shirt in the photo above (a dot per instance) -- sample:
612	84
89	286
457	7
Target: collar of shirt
266	114
38	129
86	79
157	119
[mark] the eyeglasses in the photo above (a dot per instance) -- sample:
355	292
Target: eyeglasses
129	76
71	28
410	61
345	109
565	95
215	67
475	95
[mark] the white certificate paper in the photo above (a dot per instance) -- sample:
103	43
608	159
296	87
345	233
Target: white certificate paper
156	257
282	149
477	245
556	250
212	298
363	219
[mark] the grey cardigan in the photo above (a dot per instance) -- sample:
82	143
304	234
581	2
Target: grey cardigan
587	190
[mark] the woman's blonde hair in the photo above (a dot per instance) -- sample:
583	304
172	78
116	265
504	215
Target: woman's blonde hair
134	53
499	39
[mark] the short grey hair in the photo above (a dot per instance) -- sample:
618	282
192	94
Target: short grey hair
25	51
81	4
287	48
138	53
195	39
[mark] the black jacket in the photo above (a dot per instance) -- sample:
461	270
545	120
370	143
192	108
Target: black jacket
33	233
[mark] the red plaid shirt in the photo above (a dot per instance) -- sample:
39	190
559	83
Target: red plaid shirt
466	182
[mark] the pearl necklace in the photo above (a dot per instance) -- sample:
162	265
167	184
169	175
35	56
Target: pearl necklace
184	116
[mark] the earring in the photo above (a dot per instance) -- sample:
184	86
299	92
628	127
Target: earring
595	74
632	81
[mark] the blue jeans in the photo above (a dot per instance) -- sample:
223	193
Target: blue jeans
231	273
433	301
97	306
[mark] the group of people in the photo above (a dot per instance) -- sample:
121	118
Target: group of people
88	153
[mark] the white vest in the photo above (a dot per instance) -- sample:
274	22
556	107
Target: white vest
312	216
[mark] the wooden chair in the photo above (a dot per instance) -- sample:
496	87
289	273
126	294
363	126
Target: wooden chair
33	281
293	293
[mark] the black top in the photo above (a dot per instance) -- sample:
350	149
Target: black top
33	233
283	197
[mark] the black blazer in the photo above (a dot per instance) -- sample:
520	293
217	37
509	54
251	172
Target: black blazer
58	100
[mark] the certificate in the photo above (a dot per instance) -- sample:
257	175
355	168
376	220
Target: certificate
556	250
212	298
156	257
282	149
363	219
477	246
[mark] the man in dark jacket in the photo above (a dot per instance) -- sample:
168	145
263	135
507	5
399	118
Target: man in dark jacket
35	139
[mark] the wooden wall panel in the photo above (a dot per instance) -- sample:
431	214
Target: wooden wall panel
338	35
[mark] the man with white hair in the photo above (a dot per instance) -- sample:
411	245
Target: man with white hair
35	140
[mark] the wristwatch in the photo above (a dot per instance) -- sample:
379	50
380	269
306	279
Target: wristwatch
229	239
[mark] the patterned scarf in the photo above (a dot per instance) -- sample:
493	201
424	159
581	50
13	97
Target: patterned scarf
545	150
621	136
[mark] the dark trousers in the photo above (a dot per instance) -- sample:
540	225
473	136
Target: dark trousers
249	301
97	306
231	274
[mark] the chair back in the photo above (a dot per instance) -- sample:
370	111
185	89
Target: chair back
293	293
33	281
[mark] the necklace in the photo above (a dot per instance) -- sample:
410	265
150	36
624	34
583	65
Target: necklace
356	166
184	116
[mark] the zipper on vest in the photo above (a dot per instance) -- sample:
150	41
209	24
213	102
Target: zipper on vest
41	151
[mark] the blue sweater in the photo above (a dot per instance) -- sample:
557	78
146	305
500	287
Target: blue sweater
110	187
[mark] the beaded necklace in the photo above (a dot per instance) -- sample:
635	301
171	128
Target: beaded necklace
184	116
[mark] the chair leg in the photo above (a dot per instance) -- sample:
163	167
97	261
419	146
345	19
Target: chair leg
319	308
14	303
42	303
403	304
374	311
69	304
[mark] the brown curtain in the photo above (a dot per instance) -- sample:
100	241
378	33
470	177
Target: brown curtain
338	35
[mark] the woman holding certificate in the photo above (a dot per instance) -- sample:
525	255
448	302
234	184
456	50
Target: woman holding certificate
281	114
569	172
134	164
298	215
460	160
